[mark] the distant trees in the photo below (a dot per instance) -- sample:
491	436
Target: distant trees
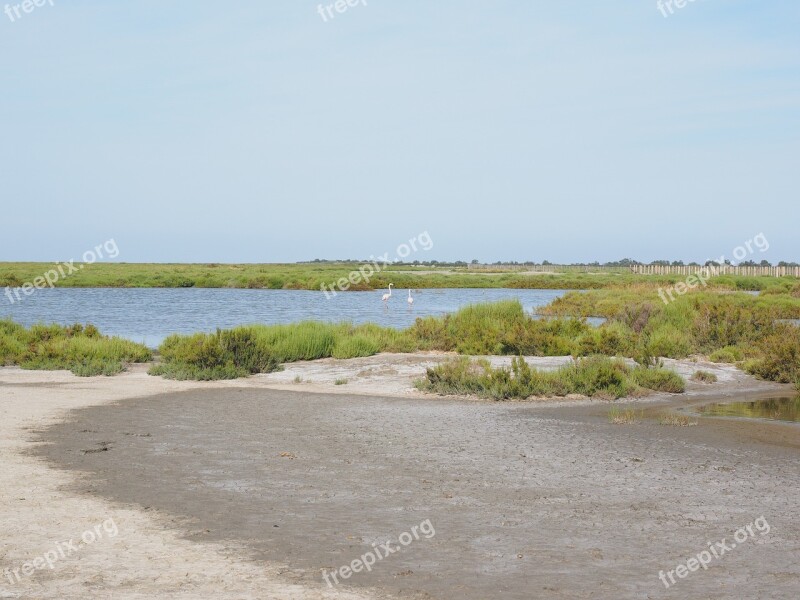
625	262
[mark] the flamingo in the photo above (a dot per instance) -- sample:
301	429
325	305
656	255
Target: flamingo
410	299
389	295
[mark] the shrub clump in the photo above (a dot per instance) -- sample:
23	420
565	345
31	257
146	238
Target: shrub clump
226	354
704	377
620	416
659	379
779	356
728	354
595	376
77	348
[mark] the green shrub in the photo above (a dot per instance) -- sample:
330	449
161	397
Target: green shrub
726	321
483	328
92	368
595	376
611	339
78	348
182	371
670	342
728	354
544	337
779	356
225	354
659	380
11	349
704	377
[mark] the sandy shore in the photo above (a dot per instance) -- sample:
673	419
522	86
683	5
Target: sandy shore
146	559
501	481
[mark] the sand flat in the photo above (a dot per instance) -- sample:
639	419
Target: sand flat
146	559
529	499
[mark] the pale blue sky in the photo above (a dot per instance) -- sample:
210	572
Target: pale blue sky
254	131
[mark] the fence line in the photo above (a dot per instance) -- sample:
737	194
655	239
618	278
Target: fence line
754	271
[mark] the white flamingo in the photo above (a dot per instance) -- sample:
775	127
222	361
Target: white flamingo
389	295
410	299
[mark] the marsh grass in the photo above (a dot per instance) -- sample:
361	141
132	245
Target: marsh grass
310	276
82	350
251	349
675	420
595	376
777	355
623	416
732	327
727	354
704	377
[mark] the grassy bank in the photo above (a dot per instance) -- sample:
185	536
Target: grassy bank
82	350
733	327
228	354
311	276
597	376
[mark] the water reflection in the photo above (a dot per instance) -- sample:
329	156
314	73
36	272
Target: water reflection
775	409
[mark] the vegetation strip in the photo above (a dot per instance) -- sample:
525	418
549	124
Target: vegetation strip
318	275
597	376
726	327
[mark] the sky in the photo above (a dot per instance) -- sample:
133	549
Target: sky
271	131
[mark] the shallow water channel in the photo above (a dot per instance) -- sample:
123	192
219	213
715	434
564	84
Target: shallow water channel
774	409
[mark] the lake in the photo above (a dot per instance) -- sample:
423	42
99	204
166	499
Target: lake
149	315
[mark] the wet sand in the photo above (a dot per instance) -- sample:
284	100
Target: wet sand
254	488
526	500
41	510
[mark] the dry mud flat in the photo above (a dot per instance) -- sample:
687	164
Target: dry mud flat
236	490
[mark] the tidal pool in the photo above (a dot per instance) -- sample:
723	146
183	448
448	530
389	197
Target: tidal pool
775	409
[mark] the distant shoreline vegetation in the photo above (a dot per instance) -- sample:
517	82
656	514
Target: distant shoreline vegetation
417	275
739	328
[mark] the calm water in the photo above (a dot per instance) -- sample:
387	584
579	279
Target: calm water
149	315
776	409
